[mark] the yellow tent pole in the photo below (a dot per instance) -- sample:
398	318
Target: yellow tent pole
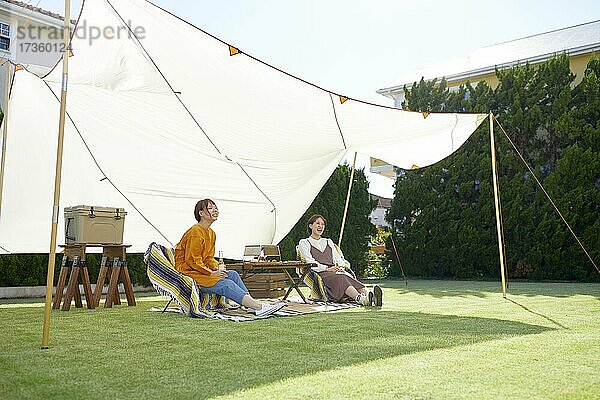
497	204
57	178
4	132
347	201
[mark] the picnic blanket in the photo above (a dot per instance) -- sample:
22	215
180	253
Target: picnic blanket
293	307
170	283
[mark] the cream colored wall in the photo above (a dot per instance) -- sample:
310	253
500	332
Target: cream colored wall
490	79
578	65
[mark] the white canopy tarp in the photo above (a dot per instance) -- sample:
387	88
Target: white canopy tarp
158	122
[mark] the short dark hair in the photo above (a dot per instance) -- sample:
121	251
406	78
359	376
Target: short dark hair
312	219
202	205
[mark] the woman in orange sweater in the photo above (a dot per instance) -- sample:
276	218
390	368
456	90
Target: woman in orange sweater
195	257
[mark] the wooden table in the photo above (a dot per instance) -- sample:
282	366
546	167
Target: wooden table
249	268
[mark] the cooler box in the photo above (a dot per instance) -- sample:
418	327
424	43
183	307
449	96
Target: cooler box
94	225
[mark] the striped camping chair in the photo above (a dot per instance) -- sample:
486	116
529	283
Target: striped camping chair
167	281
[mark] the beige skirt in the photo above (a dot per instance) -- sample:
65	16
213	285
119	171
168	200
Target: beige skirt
336	284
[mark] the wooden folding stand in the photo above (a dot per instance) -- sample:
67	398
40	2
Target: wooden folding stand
73	260
114	259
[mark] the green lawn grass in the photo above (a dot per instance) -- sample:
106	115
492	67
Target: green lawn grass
431	340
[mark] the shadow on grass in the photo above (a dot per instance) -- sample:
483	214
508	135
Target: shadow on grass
149	355
441	289
538	314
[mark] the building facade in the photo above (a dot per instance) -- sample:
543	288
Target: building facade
579	42
377	216
30	36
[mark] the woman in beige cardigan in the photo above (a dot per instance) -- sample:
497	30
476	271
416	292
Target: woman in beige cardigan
331	267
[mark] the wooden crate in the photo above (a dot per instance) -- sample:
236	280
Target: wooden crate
268	285
266	294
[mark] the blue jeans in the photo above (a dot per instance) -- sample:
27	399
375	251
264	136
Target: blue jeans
230	287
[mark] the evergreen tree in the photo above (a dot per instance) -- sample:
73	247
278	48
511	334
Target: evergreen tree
330	203
443	215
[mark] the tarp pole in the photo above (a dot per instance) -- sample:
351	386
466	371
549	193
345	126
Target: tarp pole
398	257
347	201
497	204
59	155
4	132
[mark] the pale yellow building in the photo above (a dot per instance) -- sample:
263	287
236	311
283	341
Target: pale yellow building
580	42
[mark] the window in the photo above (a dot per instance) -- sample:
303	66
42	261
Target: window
4	29
4	43
4	36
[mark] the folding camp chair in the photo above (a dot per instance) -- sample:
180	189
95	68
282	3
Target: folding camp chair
313	280
170	283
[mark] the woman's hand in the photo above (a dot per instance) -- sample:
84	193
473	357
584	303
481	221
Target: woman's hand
220	273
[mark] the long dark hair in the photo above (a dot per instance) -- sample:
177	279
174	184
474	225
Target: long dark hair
202	205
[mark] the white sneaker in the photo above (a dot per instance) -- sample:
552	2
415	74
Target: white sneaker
268	309
363	299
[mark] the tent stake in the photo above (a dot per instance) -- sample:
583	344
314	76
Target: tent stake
497	204
4	132
347	201
57	178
